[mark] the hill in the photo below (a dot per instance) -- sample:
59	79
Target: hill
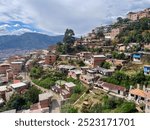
28	41
138	31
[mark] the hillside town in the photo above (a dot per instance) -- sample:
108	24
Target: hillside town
107	70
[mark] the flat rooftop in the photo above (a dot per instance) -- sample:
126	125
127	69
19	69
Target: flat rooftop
3	88
18	85
45	96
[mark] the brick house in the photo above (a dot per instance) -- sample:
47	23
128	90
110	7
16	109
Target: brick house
9	74
69	87
96	60
45	99
143	14
4	67
16	67
50	59
75	74
139	15
19	87
86	79
65	94
133	16
84	55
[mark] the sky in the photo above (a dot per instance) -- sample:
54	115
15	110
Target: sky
56	15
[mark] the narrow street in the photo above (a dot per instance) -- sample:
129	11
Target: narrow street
56	98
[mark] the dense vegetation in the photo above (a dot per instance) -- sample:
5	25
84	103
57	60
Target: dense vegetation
111	104
105	65
120	56
47	78
138	32
120	78
66	47
23	101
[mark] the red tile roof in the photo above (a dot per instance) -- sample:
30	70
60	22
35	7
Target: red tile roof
113	86
138	92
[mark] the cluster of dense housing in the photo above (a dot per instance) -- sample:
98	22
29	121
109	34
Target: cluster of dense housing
90	73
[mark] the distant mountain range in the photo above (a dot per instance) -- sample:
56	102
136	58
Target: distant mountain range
28	41
19	35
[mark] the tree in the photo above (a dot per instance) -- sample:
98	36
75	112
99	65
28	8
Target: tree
69	37
119	19
32	95
80	63
100	34
17	102
127	107
139	78
68	108
36	72
105	65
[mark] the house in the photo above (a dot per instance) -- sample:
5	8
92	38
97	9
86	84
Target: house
65	68
69	86
36	108
84	55
59	85
2	102
84	69
133	16
112	88
121	47
63	57
65	89
3	90
3	80
143	14
45	99
29	65
19	87
147	47
87	79
115	32
4	67
137	57
9	74
92	72
65	94
105	72
147	69
16	67
50	59
75	74
43	106
107	36
147	103
137	95
96	60
116	62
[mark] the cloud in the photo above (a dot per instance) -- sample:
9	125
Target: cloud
57	15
